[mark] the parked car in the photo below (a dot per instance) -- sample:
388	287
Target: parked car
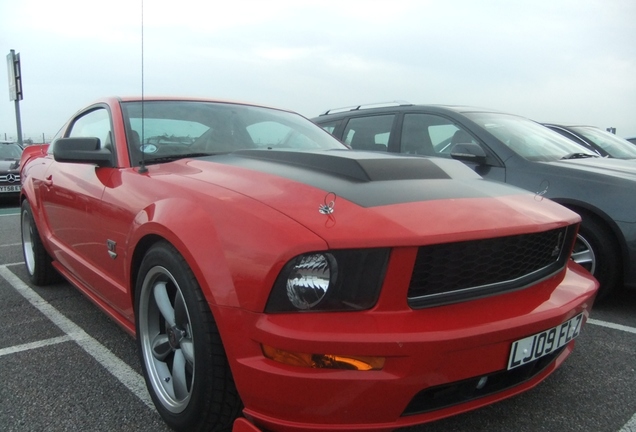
602	142
10	153
265	268
512	149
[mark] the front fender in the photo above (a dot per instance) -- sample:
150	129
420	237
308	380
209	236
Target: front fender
235	249
33	151
580	206
33	164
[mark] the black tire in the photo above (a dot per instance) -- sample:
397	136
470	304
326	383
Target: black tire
182	356
596	249
36	258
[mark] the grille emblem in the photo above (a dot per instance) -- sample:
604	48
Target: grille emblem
12	178
557	249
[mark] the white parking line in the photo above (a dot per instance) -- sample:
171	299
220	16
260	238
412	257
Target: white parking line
34	345
612	326
124	373
630	426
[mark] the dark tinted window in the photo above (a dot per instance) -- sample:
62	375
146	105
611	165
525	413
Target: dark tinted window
369	133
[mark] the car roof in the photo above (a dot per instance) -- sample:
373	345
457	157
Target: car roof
181	99
404	106
570	125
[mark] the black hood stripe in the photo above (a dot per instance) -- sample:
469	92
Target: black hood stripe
366	178
363	167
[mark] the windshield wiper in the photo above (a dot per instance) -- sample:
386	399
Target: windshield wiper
177	157
578	156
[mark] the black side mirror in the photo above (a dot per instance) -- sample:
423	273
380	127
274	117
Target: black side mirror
82	150
469	152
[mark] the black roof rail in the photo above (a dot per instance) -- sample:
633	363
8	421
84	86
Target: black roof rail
366	106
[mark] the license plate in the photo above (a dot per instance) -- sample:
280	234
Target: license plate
12	188
536	346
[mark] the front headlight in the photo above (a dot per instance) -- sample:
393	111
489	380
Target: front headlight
309	279
329	281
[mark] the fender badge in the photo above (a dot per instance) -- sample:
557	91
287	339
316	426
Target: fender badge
111	245
327	207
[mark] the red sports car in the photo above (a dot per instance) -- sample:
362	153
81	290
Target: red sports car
271	273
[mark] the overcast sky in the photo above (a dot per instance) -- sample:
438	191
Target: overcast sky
560	61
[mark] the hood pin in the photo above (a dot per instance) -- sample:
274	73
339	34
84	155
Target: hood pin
327	207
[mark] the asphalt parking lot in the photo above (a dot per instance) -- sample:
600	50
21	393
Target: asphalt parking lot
65	366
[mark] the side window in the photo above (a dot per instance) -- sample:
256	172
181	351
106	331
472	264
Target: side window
96	123
369	133
431	135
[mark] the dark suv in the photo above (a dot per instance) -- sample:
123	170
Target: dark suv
521	152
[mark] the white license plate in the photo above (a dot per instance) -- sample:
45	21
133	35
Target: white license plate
12	188
536	346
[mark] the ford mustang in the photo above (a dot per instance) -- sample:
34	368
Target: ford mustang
276	280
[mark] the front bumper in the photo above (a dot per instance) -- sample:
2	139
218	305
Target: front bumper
439	347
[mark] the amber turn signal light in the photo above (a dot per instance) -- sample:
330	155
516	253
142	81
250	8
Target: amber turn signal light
323	361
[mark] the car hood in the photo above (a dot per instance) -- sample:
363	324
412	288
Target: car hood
624	169
9	165
390	200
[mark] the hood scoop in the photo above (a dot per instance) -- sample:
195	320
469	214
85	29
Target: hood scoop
367	179
355	166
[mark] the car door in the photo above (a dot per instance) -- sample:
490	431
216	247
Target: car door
71	196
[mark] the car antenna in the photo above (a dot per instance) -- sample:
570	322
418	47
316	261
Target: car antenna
142	163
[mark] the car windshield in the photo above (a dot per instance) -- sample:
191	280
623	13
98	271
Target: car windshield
176	129
10	151
614	146
528	138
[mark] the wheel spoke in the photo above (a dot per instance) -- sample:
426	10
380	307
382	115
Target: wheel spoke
583	257
180	311
163	302
583	254
179	375
161	347
187	348
164	377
